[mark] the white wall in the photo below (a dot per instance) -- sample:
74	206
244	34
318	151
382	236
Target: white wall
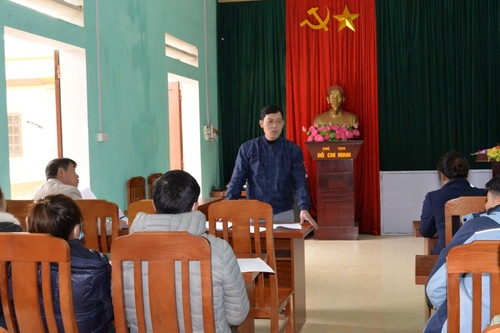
402	195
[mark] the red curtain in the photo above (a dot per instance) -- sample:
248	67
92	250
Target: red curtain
318	56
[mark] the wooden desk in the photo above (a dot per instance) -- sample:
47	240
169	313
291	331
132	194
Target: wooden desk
290	263
429	243
203	204
248	325
290	266
423	267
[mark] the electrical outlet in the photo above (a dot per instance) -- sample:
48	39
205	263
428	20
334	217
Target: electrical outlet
208	132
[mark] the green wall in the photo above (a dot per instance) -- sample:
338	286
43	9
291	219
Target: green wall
133	76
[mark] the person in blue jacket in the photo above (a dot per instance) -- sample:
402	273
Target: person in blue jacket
274	169
483	226
453	171
60	216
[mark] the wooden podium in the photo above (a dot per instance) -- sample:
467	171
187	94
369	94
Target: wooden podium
495	166
335	188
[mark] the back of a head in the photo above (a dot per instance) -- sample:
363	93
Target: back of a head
269	109
493	186
56	215
3	207
453	165
175	192
54	165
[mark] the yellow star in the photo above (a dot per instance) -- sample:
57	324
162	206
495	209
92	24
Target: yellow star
346	19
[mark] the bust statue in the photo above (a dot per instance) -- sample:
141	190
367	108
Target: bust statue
336	115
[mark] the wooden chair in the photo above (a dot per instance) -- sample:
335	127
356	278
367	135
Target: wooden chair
24	252
455	209
145	205
136	189
270	298
19	208
151	179
95	211
492	329
160	251
476	258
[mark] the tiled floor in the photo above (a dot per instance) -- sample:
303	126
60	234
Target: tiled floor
362	286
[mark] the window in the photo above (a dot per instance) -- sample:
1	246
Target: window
15	137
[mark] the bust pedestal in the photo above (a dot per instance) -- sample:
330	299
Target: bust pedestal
335	188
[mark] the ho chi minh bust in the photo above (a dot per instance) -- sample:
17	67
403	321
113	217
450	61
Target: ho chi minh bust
336	115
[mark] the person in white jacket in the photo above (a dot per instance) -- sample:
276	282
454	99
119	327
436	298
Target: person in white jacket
8	222
175	198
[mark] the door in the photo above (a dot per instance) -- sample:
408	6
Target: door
175	126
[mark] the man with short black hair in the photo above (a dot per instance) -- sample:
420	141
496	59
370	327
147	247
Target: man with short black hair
61	179
274	168
175	199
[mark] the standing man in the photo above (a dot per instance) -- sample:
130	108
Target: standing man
274	169
61	179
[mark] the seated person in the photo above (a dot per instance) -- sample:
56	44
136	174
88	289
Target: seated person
8	223
175	199
453	171
63	179
336	115
60	216
485	226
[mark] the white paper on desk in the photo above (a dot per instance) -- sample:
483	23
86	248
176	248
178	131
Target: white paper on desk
253	265
252	229
295	226
88	194
218	225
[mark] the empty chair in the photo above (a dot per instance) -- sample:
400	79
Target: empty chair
145	206
163	254
136	189
24	251
272	301
480	261
94	212
151	179
455	209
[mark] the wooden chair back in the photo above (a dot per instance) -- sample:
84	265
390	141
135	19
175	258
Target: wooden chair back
136	189
145	205
455	209
492	329
236	217
159	252
29	254
476	258
95	212
19	208
151	179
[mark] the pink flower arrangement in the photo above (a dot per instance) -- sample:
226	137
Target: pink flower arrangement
320	133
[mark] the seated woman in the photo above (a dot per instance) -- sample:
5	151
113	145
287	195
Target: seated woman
60	216
453	171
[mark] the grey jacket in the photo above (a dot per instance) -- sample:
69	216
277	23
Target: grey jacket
231	303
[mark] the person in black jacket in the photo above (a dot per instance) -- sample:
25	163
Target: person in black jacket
453	171
60	216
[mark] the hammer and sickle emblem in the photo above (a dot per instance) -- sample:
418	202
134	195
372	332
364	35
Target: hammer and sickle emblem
322	23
